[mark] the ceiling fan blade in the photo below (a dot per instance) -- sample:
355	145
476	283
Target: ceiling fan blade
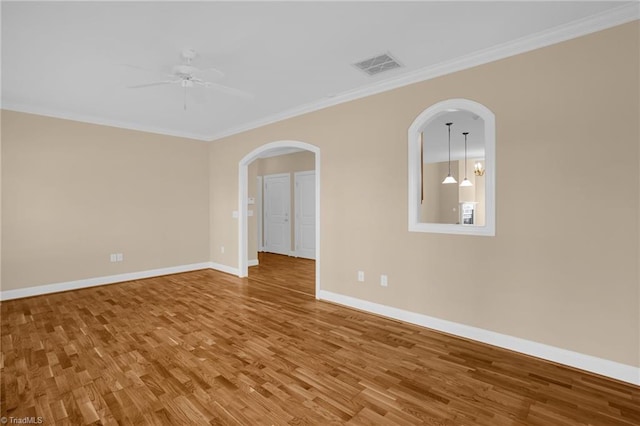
226	89
157	83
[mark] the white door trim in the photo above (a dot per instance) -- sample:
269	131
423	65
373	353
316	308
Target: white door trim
296	209
258	208
243	177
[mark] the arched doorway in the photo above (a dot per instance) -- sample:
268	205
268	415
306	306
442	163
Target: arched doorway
243	267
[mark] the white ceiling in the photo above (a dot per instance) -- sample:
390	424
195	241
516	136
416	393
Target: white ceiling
68	59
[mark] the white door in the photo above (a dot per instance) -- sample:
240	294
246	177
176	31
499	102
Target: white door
277	206
305	207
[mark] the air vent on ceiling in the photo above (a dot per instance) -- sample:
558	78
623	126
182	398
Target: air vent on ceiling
378	64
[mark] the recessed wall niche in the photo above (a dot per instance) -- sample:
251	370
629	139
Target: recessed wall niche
452	169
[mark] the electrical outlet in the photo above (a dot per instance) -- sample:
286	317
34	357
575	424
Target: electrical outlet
112	257
221	249
119	257
361	276
384	281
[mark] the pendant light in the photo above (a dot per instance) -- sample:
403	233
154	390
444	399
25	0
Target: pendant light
449	178
465	182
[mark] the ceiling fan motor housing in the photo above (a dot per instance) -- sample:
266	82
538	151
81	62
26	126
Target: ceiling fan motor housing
189	55
184	71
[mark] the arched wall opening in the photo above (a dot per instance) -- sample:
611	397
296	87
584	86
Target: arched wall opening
243	178
415	160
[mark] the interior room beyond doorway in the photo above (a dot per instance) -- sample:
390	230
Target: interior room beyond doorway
282	215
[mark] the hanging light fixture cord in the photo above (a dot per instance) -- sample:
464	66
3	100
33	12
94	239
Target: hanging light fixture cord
465	182
449	126
449	178
465	154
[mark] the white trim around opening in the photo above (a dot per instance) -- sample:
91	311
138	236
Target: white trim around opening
415	176
243	177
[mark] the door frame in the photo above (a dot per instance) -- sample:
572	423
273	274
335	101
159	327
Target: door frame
259	214
296	207
243	178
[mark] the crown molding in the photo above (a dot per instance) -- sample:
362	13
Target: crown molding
607	19
65	115
578	28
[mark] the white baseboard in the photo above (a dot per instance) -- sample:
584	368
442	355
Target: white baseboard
615	370
224	268
253	262
111	279
92	282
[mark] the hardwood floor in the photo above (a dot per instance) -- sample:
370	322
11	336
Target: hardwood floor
278	270
207	348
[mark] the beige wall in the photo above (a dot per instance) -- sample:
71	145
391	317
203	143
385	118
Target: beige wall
1	116
252	221
440	200
549	275
290	163
72	193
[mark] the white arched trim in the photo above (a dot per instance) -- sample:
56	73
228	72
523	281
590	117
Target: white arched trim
243	178
415	158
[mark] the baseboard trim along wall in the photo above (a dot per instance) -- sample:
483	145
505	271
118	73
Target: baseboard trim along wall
253	262
604	367
93	282
113	279
224	268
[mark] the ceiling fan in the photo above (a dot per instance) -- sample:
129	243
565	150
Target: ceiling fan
187	76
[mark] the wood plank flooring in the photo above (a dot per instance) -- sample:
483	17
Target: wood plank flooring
292	274
208	348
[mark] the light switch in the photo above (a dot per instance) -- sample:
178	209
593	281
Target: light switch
234	214
251	201
384	281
